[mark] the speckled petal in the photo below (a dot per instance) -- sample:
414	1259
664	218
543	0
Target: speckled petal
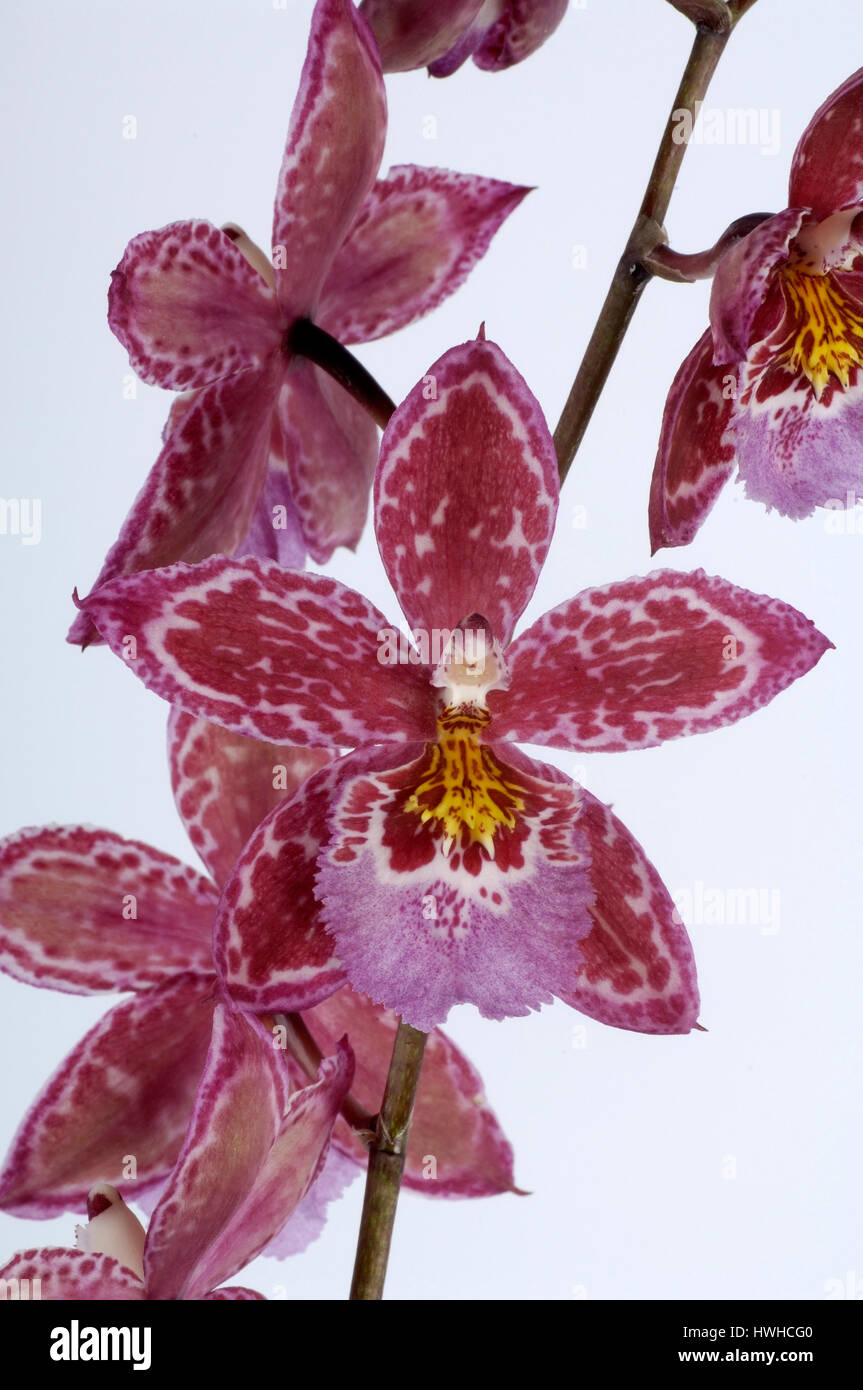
695	457
633	664
118	1104
419	234
333	152
189	309
466	493
204	489
84	910
742	280
280	655
225	785
250	1156
827	168
73	1276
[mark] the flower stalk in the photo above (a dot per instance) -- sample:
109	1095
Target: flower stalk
633	270
386	1165
306	339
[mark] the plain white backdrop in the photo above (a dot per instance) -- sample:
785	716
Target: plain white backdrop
722	1164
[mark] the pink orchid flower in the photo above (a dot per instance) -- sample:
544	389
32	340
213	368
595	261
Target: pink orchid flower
265	453
84	911
437	864
251	1154
441	37
775	385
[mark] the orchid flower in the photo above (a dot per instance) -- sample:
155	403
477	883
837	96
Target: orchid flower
251	1153
436	864
84	911
265	453
441	37
775	385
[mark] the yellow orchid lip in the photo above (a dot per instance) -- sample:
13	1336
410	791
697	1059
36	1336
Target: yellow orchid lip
464	794
827	338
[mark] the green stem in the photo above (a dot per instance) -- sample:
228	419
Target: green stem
386	1164
632	272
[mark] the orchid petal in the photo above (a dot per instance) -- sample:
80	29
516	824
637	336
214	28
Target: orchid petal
72	1276
466	493
633	664
638	970
124	1092
416	240
310	1217
453	1123
827	168
270	946
412	33
333	151
695	458
330	448
249	1158
522	28
84	910
275	532
420	929
189	309
794	452
742	280
283	656
224	784
201	496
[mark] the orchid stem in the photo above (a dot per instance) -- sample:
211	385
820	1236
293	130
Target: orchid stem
386	1164
306	339
632	272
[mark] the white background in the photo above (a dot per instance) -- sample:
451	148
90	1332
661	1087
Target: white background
626	1142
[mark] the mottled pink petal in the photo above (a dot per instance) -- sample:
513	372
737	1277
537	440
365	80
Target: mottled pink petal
122	1097
638	970
224	784
310	1217
270	946
330	448
84	910
827	168
249	1158
280	655
420	930
522	28
742	280
203	490
189	309
413	33
418	236
695	458
235	1292
275	532
466	493
333	151
72	1275
453	1123
794	452
633	664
